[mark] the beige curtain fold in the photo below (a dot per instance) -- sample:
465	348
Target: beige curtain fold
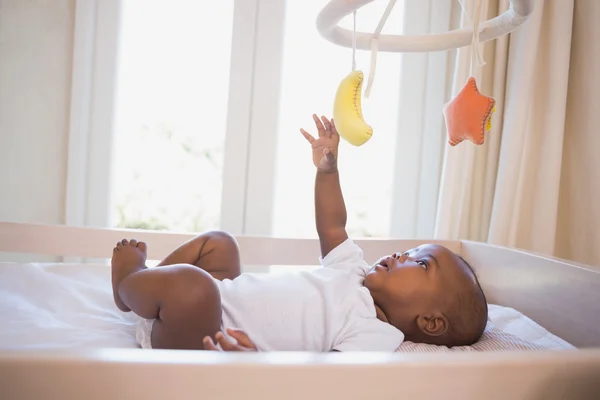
506	191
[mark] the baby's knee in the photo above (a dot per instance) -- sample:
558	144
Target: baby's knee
193	288
221	238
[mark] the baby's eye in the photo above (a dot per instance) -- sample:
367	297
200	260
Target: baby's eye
422	263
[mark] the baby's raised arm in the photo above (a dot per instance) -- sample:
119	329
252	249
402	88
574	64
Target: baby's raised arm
330	209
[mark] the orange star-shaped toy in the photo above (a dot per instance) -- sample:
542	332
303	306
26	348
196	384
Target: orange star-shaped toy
468	115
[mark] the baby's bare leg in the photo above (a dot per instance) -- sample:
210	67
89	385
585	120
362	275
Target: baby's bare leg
183	299
216	252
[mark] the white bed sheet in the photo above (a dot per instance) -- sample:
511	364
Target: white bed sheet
66	305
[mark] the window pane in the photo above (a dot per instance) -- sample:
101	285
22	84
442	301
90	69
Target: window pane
312	70
171	112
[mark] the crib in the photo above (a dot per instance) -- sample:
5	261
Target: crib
561	296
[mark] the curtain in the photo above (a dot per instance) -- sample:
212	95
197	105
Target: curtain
506	191
579	214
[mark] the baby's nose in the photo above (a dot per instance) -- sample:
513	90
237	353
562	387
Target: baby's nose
400	256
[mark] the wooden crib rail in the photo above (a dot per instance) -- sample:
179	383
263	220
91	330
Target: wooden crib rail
91	374
61	240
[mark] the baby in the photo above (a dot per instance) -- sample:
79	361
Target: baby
196	296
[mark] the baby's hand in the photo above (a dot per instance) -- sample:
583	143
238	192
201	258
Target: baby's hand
325	148
243	342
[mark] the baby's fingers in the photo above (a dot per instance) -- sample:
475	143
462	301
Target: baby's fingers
328	156
209	344
333	128
241	338
319	125
327	125
225	343
307	136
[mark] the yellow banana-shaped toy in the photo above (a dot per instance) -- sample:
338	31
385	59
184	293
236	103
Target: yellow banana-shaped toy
347	111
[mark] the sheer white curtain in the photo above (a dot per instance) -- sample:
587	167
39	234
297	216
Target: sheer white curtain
506	191
420	141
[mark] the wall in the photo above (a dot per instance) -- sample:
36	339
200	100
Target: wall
578	236
35	73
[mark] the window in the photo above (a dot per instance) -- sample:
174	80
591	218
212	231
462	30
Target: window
171	113
209	100
312	70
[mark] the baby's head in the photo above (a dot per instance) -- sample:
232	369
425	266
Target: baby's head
431	294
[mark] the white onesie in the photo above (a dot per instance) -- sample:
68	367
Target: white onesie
320	310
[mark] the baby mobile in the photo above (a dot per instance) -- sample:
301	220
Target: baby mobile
467	116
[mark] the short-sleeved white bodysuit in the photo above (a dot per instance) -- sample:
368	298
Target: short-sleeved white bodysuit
320	310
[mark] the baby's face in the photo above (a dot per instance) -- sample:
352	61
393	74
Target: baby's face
413	283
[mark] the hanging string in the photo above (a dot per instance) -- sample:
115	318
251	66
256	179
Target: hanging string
371	78
354	41
375	46
476	49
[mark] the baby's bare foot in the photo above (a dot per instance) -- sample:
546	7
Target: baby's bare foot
129	256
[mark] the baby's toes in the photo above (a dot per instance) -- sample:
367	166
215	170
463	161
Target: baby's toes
142	246
133	242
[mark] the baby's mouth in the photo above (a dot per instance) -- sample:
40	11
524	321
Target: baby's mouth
383	265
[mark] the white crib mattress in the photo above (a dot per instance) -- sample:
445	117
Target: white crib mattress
65	305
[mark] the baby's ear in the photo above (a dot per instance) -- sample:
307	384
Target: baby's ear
433	325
